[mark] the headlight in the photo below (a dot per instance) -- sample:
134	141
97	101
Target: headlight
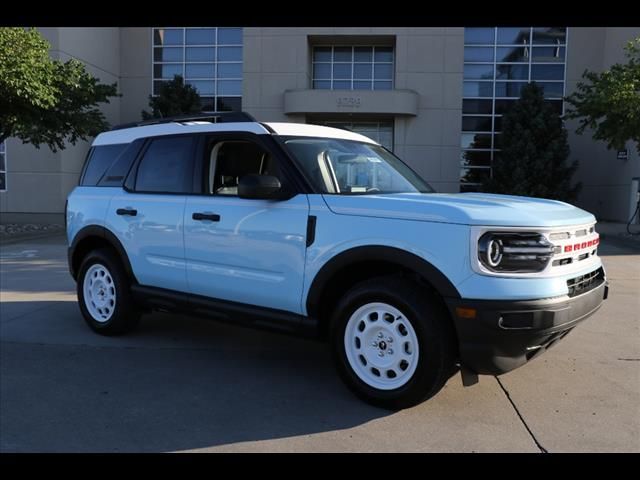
514	252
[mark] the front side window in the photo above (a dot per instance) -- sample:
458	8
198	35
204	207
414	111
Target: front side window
347	167
230	160
353	68
167	166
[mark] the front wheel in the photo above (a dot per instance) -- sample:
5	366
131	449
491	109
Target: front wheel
103	294
393	343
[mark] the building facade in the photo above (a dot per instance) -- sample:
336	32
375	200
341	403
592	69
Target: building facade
435	96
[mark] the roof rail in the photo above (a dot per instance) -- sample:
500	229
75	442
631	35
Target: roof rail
221	117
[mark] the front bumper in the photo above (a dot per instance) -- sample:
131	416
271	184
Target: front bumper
505	335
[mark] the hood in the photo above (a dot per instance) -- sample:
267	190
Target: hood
462	208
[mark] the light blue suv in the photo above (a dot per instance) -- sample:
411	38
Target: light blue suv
323	232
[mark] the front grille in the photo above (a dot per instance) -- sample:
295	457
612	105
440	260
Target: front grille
585	283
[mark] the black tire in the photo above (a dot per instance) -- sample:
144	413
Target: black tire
125	316
433	328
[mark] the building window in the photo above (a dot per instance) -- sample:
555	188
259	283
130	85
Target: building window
209	59
3	167
352	68
498	62
381	132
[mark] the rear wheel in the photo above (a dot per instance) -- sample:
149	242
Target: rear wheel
103	294
393	342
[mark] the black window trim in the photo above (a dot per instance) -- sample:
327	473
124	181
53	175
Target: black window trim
296	182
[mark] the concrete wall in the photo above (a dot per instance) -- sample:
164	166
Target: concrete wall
606	180
38	179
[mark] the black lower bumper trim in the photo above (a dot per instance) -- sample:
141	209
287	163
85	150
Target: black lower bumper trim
507	334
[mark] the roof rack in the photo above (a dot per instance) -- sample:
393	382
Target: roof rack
221	117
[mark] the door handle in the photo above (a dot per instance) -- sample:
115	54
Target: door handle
214	217
127	211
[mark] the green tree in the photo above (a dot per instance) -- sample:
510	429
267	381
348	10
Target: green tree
44	100
174	98
609	102
533	160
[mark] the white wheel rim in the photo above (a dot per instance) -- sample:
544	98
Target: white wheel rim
99	293
381	346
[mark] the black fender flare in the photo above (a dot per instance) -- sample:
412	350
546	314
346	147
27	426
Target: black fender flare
106	234
393	255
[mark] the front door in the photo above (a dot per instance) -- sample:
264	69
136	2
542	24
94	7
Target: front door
244	250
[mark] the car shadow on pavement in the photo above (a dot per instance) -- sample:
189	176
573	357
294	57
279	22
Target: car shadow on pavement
177	383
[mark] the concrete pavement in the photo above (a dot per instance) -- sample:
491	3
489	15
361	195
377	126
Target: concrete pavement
185	384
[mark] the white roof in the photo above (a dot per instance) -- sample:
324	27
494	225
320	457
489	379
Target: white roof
128	135
307	130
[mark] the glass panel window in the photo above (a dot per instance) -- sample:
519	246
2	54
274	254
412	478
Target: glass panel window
476	141
167	54
201	36
352	68
167	70
509	89
341	70
471	158
201	54
478	54
548	54
381	132
513	54
476	124
512	72
200	70
362	54
168	36
474	35
229	70
229	36
547	72
229	54
229	87
550	35
209	58
204	87
513	35
473	71
382	71
477	89
552	89
477	106
322	70
363	70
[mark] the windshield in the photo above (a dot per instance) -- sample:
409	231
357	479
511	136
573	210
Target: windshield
348	167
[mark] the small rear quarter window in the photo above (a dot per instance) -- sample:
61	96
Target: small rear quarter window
100	159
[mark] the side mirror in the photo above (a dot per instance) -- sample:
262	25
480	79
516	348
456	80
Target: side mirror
265	187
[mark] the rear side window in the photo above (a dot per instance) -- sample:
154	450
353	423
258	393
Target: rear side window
100	159
115	175
167	166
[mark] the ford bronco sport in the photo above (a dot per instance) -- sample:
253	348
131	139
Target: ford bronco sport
322	231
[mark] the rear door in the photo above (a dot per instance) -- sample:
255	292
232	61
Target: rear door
147	214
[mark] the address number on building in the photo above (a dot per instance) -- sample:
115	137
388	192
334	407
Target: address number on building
348	102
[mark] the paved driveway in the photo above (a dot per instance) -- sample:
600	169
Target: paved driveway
184	384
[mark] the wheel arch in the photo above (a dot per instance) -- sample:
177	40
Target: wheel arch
90	238
359	263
